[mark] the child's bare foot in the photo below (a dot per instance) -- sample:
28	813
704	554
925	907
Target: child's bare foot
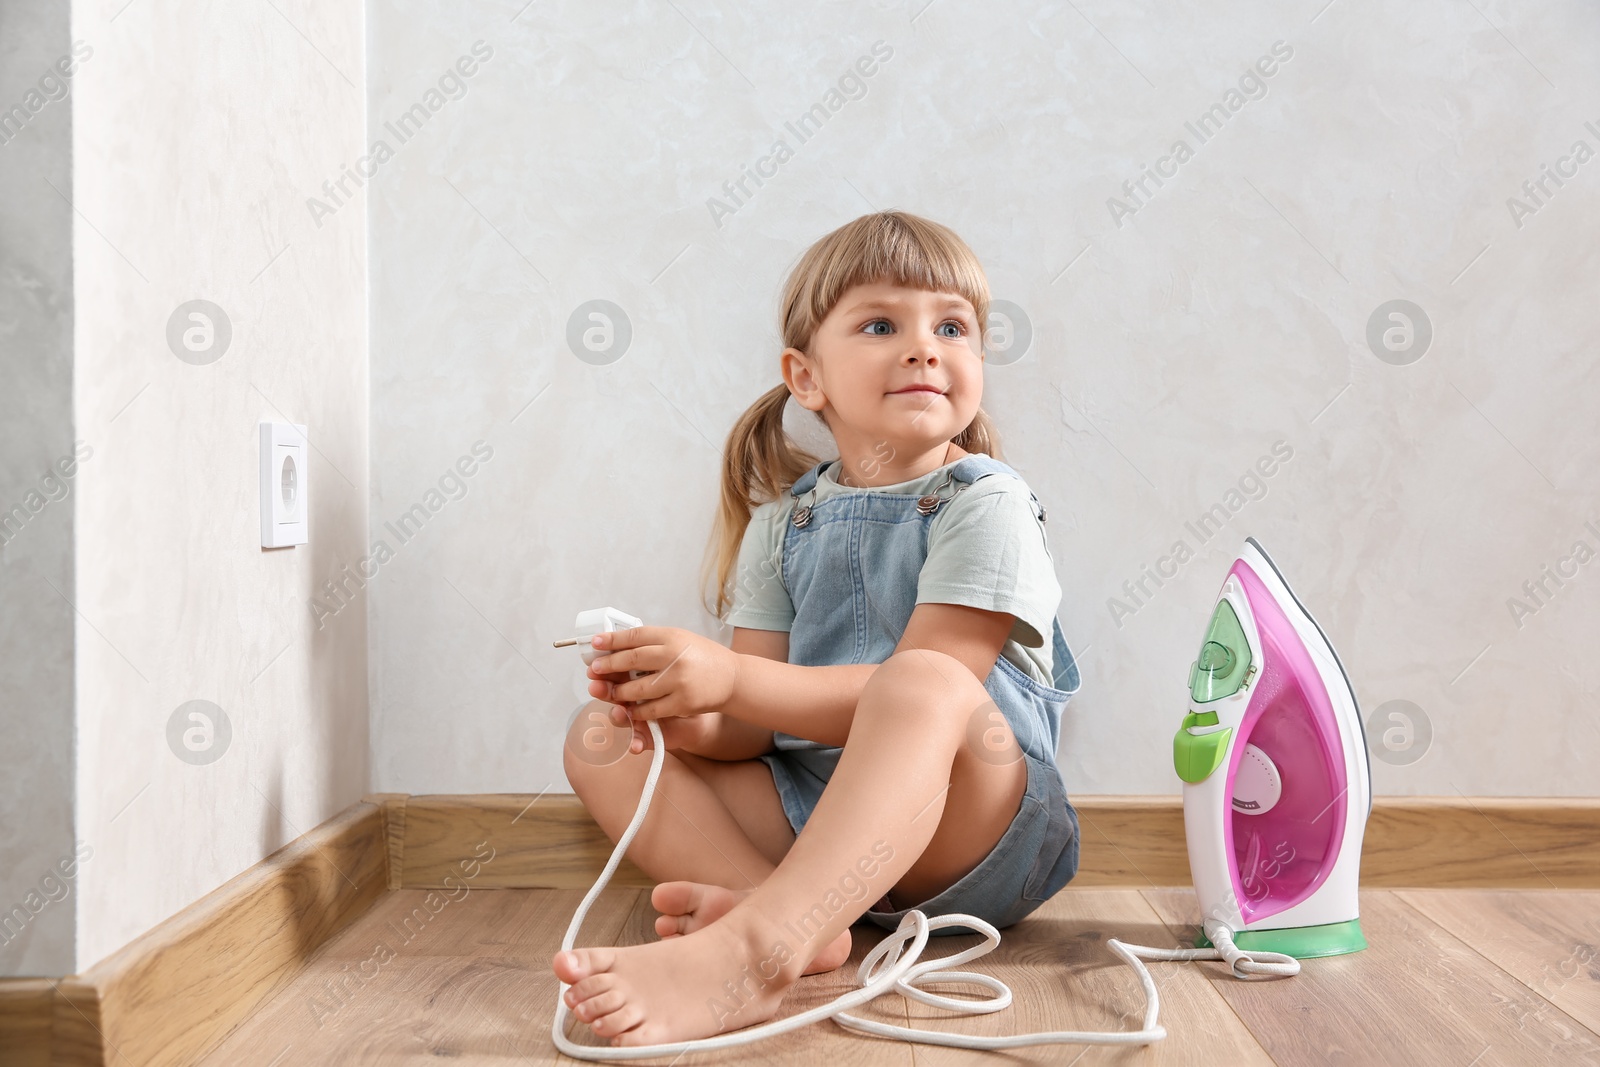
688	906
716	979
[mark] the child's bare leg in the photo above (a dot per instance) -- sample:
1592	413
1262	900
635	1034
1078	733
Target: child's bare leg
689	832
704	856
901	766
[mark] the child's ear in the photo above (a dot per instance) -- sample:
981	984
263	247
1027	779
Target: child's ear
803	385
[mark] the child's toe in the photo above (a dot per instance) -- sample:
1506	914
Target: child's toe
671	898
618	1022
589	988
600	1005
574	965
623	1026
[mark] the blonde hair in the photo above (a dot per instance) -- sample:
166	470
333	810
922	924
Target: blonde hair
760	460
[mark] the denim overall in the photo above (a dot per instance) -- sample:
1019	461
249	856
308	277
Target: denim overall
851	570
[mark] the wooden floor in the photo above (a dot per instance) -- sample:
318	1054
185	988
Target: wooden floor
1465	978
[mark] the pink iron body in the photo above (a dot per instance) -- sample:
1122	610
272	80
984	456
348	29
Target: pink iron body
1277	785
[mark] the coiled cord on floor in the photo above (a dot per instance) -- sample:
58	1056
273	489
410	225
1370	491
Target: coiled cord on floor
902	972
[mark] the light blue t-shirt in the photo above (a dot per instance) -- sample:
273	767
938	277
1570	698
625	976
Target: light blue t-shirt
986	549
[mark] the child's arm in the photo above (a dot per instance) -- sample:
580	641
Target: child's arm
734	739
819	703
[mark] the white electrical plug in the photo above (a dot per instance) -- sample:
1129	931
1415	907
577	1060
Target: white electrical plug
599	621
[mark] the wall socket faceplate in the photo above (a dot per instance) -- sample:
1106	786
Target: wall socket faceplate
285	504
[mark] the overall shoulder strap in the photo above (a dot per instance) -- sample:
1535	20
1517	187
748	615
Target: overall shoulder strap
804	483
980	465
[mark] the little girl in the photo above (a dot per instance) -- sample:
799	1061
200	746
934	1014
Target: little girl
882	734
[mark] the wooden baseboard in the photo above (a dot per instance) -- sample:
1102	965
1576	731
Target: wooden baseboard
173	993
548	841
25	1007
1506	842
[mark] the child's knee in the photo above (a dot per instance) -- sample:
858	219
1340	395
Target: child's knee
594	743
926	665
934	684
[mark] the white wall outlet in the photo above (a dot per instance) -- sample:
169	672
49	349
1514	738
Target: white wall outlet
285	503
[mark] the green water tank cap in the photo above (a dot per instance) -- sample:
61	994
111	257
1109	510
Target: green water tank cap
1224	661
1214	657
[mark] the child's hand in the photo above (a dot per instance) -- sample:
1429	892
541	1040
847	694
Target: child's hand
690	674
681	732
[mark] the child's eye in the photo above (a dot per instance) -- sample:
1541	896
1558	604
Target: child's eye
956	325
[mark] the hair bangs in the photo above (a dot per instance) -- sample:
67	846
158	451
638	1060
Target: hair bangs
888	247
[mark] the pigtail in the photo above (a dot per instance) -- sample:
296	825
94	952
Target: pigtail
760	461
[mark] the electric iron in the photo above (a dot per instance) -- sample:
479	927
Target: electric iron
1277	785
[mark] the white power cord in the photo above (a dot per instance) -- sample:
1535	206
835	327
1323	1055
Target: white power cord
901	974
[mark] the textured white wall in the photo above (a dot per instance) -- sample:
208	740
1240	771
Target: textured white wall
1177	337
199	131
37	473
